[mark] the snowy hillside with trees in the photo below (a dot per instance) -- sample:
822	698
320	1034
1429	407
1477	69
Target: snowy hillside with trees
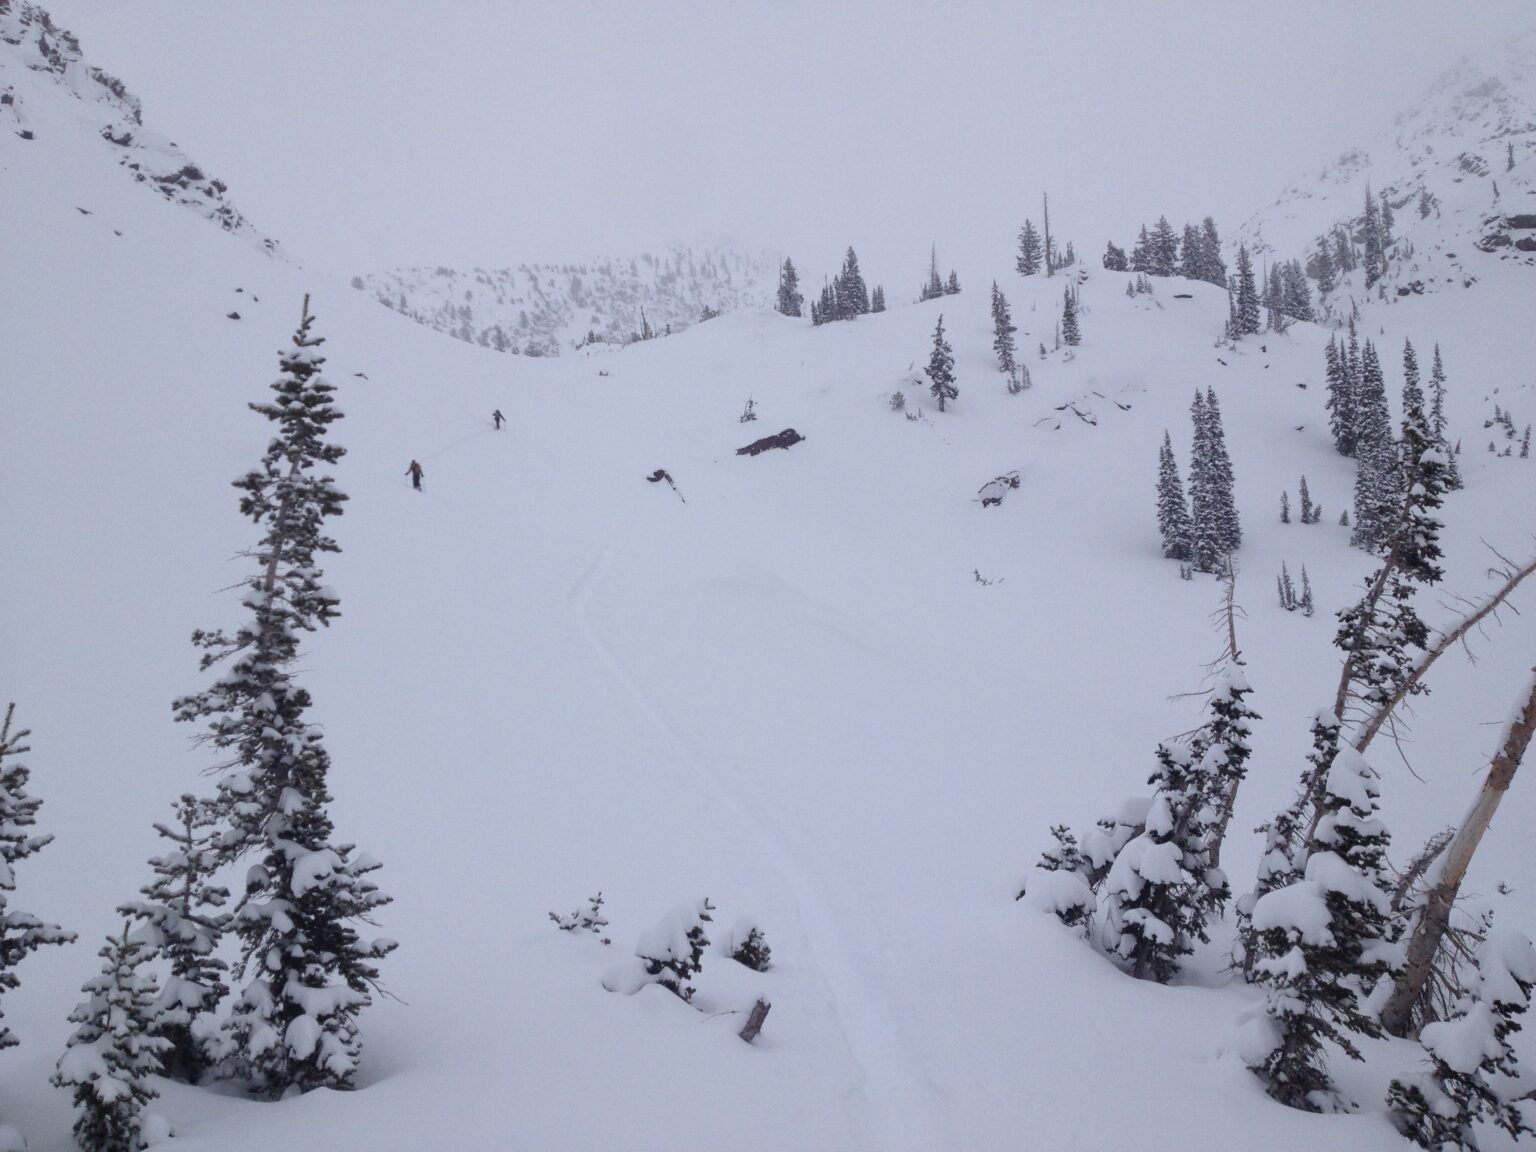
550	309
1080	707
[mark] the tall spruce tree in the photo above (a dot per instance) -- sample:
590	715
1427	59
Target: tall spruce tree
1378	472
941	367
852	295
1228	531
877	299
790	300
1142	256
1371	234
1071	334
934	288
1343	418
1213	268
1191	254
1438	422
1247	295
1028	260
21	933
184	926
1002	335
114	1051
1115	258
1165	249
294	1024
1173	521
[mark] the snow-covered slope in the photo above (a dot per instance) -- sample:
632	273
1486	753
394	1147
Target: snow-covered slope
547	309
1458	168
782	686
40	61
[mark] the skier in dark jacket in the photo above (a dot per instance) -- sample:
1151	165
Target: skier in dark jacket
414	472
498	418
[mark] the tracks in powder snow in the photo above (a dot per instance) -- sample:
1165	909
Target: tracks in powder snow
905	1108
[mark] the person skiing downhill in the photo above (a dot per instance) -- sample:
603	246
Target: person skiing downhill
414	472
498	418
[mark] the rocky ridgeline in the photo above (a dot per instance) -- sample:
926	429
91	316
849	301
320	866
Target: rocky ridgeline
547	309
1458	169
30	39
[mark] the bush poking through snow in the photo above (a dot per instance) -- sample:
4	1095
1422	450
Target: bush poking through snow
674	948
749	946
590	920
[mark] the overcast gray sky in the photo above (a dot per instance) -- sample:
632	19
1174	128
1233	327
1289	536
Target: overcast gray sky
378	133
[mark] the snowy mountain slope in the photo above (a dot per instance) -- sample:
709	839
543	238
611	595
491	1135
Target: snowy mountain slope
789	693
39	60
547	309
1458	168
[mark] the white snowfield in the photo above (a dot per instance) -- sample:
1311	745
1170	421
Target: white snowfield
789	694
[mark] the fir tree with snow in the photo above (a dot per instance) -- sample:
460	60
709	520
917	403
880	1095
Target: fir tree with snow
1247	296
1371	233
1030	250
21	933
941	367
1071	334
1305	603
789	300
877	299
114	1050
673	950
934	287
1413	392
1173	521
294	1025
1216	532
1377	473
1213	270
1002	334
852	295
184	926
1310	513
1285	589
1164	250
1142	255
1471	1073
952	285
1115	258
1285	507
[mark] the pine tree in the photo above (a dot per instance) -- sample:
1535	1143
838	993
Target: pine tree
1296	300
1028	262
1172	512
1525	444
877	299
1247	295
1002	334
790	300
1343	417
1319	938
1142	256
1285	507
1191	254
1115	258
1165	248
1324	269
1375	252
1377	474
1413	394
941	367
184	927
1285	589
114	1051
1472	1064
1305	603
952	285
1213	268
1205	544
1309	512
1228	532
294	1025
21	933
1070	333
853	297
935	287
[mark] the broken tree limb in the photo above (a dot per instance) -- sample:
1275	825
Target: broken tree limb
754	1023
1448	639
781	440
1408	990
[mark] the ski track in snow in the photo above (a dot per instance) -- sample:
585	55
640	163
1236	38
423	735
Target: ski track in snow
905	1108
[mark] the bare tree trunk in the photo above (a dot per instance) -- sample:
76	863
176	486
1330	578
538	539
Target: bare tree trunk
1397	1015
1050	263
754	1023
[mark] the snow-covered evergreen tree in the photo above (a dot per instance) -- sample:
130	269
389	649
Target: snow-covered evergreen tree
1191	253
1071	334
1173	520
114	1049
1141	252
184	926
1343	419
877	299
1002	334
952	285
1115	258
294	1024
1310	513
21	933
1247	295
1378	473
1371	234
852	295
1165	249
1030	250
941	367
1471	1063
673	950
934	288
1438	422
790	300
1213	268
